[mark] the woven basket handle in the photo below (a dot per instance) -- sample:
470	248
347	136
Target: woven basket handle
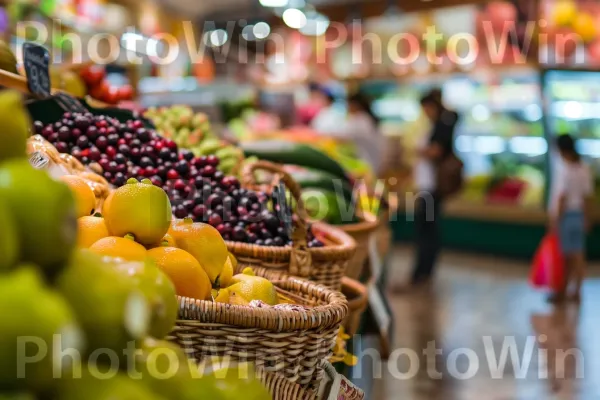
300	260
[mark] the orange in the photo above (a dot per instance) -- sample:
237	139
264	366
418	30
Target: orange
120	247
204	243
90	229
139	209
84	195
185	272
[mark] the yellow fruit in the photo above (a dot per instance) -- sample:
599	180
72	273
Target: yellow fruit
222	296
226	274
159	291
168	240
255	288
236	382
90	230
72	83
84	196
140	209
204	243
237	300
234	262
31	315
246	274
8	61
564	12
15	126
9	238
585	26
119	247
185	272
43	210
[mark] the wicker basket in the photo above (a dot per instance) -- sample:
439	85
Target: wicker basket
325	265
358	298
283	389
292	343
360	232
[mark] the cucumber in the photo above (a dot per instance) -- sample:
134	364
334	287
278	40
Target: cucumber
284	152
311	178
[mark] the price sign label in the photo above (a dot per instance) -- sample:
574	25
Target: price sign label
38	160
69	103
36	60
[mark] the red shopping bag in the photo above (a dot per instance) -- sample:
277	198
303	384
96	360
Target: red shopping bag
547	271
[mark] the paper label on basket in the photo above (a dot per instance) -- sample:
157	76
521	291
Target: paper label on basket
36	61
38	160
375	258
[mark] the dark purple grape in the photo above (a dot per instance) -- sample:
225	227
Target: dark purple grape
146	162
47	131
259	242
200	211
57	125
200	162
64	134
92	133
120	159
208	171
102	142
214	219
187	155
85	160
120	179
124	149
189	204
239	234
107	175
113	139
156	180
143	134
218	176
269	242
94	154
180	211
83	142
265	234
212	160
38	127
134	153
182	167
135	143
277	241
75	134
62	147
164	154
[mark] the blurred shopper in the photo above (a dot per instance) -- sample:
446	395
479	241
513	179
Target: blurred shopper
432	184
314	104
571	196
329	119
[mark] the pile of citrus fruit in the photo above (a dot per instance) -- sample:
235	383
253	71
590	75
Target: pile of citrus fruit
88	300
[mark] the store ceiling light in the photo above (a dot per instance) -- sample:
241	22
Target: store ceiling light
216	38
316	25
274	3
261	30
294	18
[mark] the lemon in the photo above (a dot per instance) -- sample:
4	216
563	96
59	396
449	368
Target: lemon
236	382
565	11
222	296
9	239
159	291
255	288
15	126
226	274
84	195
44	212
125	248
90	229
183	269
140	209
585	26
31	315
110	306
204	243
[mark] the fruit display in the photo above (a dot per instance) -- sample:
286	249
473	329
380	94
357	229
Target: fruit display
94	77
8	61
193	132
196	188
109	311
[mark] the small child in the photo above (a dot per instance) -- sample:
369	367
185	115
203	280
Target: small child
569	212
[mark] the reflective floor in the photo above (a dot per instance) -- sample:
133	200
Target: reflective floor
450	339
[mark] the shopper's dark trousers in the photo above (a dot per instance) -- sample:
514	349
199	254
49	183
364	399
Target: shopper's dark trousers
427	237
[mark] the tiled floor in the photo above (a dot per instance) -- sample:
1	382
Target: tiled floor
477	306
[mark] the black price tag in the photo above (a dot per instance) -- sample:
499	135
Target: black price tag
69	103
282	207
36	60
